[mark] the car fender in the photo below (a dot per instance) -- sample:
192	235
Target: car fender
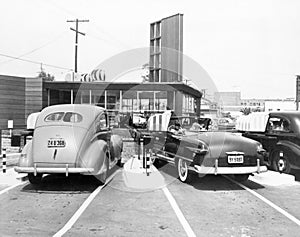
291	148
95	156
116	147
26	159
290	145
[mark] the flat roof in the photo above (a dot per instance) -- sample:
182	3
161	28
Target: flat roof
148	86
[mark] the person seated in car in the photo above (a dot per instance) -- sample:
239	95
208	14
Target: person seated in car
176	128
277	126
196	127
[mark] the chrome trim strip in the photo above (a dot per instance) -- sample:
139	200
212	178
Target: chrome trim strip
228	170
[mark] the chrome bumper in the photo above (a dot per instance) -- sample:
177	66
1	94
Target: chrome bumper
45	170
229	170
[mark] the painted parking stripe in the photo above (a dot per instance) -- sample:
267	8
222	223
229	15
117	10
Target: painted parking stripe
186	226
178	213
277	208
11	187
82	208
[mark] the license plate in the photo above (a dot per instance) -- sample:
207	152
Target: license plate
56	142
237	159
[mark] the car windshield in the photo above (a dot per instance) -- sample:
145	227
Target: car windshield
69	117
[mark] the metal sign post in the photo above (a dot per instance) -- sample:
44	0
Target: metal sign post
10	126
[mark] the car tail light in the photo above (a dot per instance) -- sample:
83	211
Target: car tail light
202	148
261	150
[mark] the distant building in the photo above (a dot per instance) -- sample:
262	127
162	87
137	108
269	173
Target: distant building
253	104
232	102
228	98
280	105
228	102
209	109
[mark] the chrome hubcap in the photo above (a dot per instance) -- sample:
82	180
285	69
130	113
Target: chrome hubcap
182	167
281	165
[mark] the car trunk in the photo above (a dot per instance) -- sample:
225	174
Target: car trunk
57	145
221	145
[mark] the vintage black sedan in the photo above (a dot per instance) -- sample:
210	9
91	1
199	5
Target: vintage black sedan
70	139
279	133
203	152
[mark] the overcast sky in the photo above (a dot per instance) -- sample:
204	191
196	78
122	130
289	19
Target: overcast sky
250	46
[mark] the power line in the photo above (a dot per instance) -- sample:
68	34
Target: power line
112	39
36	49
34	62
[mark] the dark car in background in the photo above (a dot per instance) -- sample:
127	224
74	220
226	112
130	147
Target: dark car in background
279	133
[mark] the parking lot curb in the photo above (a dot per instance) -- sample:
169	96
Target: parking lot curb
135	176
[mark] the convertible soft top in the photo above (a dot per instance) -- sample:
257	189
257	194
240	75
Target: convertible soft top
159	122
254	122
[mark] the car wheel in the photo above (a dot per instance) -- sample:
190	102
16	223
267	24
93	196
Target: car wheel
241	177
182	170
35	179
280	163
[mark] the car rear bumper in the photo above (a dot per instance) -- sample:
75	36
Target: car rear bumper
49	170
229	170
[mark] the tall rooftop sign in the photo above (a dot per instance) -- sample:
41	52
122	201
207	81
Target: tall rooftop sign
166	45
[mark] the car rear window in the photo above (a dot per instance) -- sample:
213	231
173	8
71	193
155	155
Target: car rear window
68	117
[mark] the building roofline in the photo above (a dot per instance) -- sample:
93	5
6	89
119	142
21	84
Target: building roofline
148	86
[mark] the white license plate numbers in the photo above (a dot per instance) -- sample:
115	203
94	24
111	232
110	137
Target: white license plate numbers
56	142
235	159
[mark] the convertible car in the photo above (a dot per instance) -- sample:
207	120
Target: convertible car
70	139
206	152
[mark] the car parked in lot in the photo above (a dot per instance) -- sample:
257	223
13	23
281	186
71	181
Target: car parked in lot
203	152
70	139
279	133
224	123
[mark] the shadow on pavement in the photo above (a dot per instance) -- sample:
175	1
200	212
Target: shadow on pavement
59	183
207	182
220	183
62	184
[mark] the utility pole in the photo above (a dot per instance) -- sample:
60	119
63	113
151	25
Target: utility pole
76	38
